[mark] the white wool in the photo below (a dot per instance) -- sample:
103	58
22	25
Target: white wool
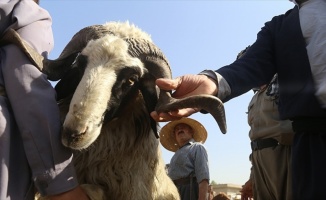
127	30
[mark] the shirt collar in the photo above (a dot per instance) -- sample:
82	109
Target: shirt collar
191	141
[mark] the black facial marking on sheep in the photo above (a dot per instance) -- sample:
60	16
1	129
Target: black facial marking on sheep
69	82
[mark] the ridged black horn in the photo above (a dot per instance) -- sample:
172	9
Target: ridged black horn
153	58
209	103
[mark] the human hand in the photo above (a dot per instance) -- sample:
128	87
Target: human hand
184	86
246	191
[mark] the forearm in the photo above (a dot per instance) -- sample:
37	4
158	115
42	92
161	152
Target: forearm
203	189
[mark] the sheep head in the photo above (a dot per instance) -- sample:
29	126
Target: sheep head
101	69
111	70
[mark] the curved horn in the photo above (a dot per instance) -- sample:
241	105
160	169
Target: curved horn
209	103
153	58
79	41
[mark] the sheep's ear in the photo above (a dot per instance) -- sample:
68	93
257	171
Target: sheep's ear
70	80
56	69
68	84
156	66
148	90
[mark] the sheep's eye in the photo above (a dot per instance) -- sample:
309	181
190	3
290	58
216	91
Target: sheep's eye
132	79
131	82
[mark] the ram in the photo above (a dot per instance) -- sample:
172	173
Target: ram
106	91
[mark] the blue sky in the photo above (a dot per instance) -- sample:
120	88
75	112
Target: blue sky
194	35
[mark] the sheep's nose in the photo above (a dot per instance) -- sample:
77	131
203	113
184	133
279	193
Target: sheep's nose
73	132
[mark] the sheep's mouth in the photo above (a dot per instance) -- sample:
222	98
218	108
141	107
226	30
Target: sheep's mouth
77	140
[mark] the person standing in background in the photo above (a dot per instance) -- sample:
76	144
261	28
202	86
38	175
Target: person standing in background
31	152
188	168
271	144
271	140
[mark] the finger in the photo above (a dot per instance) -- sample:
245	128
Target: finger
173	115
163	117
155	116
168	117
186	112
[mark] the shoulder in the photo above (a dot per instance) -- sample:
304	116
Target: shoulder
278	19
198	146
286	14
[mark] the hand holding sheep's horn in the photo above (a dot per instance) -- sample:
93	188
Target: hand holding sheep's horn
192	93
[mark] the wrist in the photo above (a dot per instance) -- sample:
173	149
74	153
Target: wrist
211	76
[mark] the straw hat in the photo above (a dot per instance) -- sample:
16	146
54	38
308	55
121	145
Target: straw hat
167	137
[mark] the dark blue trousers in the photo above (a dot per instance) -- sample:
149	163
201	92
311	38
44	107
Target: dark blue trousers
187	192
309	165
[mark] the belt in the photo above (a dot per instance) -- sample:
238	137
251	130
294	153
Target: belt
185	181
260	144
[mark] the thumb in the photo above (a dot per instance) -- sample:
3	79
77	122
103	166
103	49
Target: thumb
167	84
